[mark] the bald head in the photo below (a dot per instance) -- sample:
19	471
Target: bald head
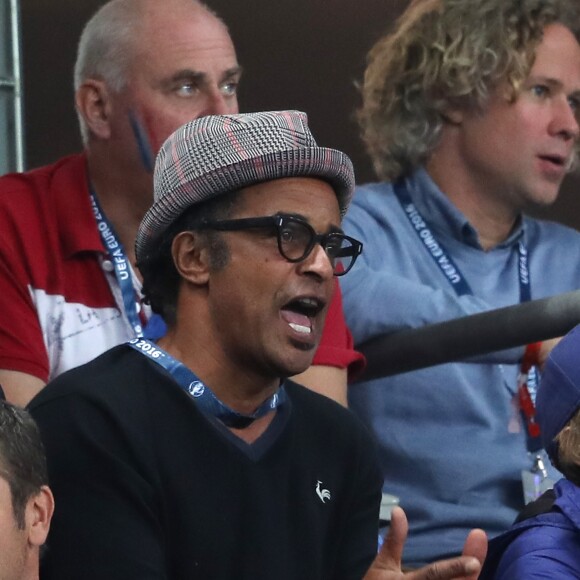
110	38
153	44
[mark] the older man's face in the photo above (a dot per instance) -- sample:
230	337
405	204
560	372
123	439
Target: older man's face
184	67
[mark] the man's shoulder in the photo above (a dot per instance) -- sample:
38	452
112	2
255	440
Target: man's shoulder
46	216
311	401
368	195
111	377
546	537
541	231
40	179
540	528
374	208
546	239
43	192
322	414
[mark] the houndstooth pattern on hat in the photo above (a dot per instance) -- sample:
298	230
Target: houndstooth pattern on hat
223	153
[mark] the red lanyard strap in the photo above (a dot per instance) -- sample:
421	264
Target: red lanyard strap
531	356
530	359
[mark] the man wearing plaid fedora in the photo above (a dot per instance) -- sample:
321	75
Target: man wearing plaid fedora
195	456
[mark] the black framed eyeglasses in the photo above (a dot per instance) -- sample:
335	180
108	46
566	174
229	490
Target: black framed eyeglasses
297	238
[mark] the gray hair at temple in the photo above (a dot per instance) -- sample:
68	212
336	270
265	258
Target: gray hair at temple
22	459
106	46
446	54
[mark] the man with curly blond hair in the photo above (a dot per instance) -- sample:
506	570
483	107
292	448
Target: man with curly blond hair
470	113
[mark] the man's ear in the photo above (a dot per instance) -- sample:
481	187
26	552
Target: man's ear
94	106
191	257
452	115
39	510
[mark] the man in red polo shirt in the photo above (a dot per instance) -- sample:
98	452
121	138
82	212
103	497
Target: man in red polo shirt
68	286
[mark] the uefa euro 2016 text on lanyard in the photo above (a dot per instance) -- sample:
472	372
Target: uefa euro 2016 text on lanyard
535	481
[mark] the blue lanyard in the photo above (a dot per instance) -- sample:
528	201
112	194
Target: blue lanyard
121	265
447	266
457	280
200	392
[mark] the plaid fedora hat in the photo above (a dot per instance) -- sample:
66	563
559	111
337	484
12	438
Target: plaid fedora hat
558	396
224	153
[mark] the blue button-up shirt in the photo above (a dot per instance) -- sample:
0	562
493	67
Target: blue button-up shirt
446	434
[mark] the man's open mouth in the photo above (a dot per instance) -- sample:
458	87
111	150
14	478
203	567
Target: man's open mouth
299	314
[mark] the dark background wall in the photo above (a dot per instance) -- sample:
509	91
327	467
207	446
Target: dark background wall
302	54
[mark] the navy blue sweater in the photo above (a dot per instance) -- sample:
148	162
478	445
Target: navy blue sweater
146	486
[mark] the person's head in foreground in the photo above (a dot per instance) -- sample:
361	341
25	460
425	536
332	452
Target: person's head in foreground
544	542
558	406
244	237
26	502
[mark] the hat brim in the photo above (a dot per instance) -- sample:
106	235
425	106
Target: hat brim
330	165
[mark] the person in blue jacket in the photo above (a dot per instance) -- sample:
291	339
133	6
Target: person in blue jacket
545	540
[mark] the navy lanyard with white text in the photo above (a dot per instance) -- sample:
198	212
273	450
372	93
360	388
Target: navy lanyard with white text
200	392
121	265
450	270
528	378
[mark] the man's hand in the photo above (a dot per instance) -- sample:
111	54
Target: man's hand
387	564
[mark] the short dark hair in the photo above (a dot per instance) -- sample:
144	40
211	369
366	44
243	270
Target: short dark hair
22	458
160	277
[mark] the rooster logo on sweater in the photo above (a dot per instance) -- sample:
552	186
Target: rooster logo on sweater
323	494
